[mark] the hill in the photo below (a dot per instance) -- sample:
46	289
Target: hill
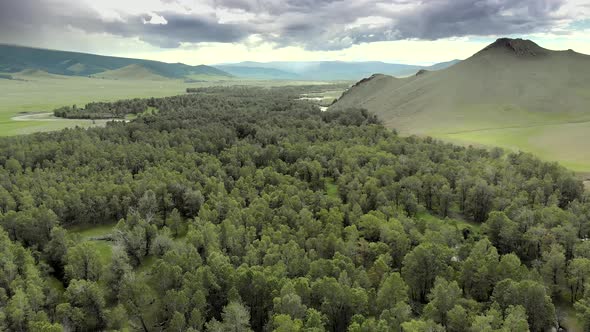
513	93
131	72
509	80
16	59
258	72
328	70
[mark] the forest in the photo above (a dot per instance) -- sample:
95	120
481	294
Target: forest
122	108
243	209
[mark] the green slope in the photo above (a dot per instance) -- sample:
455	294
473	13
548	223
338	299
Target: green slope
17	58
511	86
131	72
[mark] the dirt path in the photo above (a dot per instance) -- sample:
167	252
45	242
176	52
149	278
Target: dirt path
44	117
36	117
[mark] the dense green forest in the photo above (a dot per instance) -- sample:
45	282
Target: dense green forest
245	210
123	108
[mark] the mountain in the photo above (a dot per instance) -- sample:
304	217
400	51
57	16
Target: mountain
327	70
510	83
16	59
258	72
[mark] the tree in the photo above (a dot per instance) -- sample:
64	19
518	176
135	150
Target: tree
422	326
422	265
458	319
554	268
193	199
18	311
443	297
479	201
147	206
57	248
139	300
314	321
289	303
13	166
578	272
339	301
516	320
174	222
116	271
284	323
510	267
392	291
85	306
532	296
489	321
583	311
502	231
235	318
479	270
445	201
83	262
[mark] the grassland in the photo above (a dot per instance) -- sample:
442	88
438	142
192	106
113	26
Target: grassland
332	189
94	234
552	136
39	93
562	138
36	92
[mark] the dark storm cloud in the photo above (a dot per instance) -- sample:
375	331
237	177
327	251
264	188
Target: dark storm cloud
20	16
432	19
468	17
313	24
178	29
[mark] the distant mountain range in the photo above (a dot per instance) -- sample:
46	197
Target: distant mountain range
510	83
323	70
16	59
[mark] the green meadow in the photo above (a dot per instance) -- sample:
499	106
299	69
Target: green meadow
559	136
566	143
42	93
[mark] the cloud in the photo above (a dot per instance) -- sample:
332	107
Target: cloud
311	24
178	29
168	30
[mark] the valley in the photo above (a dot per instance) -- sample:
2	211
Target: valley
40	92
342	177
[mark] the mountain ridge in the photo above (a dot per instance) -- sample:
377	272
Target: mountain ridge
336	70
14	58
509	80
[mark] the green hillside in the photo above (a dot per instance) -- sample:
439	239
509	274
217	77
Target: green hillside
513	93
131	72
16	59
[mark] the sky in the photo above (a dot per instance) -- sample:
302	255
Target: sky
225	31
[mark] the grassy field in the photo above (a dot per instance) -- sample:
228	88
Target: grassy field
91	233
332	189
454	220
557	136
37	92
564	140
